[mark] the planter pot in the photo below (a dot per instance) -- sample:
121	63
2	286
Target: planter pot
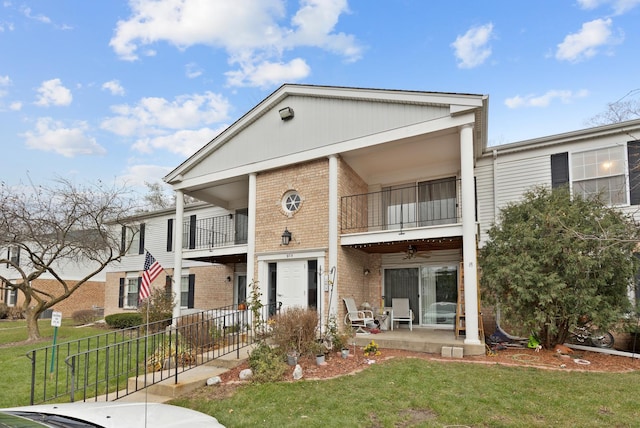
320	359
292	360
344	352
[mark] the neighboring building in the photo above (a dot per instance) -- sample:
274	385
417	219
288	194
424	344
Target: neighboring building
90	295
375	189
602	161
201	285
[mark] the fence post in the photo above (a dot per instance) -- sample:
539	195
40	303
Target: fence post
33	376
73	377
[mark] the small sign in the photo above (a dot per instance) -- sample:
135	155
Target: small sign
56	319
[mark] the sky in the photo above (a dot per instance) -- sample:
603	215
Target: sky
124	91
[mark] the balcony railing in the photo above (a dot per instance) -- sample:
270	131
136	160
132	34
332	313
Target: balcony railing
211	232
425	204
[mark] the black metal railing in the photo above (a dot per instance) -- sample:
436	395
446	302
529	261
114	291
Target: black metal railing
424	204
119	363
211	232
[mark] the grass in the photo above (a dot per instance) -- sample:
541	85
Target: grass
415	392
15	382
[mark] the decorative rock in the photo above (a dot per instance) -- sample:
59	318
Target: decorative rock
214	380
246	374
297	372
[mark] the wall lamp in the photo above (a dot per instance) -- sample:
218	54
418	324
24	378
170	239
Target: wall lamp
228	279
286	237
286	113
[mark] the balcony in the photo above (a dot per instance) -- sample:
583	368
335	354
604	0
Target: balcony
428	203
215	232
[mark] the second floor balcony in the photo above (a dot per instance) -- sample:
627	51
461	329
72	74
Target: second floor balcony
428	203
215	232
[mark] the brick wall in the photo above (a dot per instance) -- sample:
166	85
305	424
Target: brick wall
88	295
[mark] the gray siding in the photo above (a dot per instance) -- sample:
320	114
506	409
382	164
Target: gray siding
484	196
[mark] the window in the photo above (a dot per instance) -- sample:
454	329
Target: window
187	291
128	292
291	202
14	255
600	173
428	203
10	294
134	238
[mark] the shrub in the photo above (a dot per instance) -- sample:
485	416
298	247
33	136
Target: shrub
84	316
124	320
295	330
159	308
266	364
15	313
4	310
198	332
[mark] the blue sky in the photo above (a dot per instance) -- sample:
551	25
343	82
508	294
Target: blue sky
126	90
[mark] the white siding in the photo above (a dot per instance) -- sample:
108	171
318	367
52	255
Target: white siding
484	196
515	177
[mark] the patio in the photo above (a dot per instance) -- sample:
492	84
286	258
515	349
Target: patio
421	339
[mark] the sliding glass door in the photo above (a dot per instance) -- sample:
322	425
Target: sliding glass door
439	293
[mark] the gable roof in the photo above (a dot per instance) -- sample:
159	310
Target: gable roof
317	106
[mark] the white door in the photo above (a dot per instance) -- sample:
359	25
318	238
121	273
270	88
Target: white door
292	283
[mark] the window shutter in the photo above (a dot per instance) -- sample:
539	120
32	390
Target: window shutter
192	232
8	255
141	243
123	240
18	256
192	291
167	286
121	294
169	235
140	285
559	169
633	156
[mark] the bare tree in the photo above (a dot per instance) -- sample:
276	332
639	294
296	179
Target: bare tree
626	108
156	197
53	227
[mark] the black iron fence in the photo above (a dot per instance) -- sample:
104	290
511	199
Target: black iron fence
116	364
429	203
211	232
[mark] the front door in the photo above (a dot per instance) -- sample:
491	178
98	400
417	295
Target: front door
291	288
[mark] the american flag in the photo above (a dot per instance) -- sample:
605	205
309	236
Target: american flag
151	271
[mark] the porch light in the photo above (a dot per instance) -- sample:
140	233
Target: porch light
286	237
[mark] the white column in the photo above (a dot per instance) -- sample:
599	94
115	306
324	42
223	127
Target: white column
177	254
469	255
333	230
251	237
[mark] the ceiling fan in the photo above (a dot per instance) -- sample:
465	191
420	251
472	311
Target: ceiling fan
413	252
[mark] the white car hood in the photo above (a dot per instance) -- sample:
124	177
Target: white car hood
127	415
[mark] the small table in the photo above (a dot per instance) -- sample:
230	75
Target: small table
383	320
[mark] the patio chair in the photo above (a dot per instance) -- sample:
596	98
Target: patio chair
357	318
400	311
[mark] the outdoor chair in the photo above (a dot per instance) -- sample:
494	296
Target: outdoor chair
400	311
357	318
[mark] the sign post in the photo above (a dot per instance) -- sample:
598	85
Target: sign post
56	321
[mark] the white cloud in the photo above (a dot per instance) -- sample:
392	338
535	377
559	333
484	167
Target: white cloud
154	116
565	96
39	17
54	136
137	175
267	73
4	82
585	43
183	142
52	92
15	106
192	70
619	6
114	87
259	37
472	48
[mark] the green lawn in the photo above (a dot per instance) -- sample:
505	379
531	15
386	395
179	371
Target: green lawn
415	392
15	381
